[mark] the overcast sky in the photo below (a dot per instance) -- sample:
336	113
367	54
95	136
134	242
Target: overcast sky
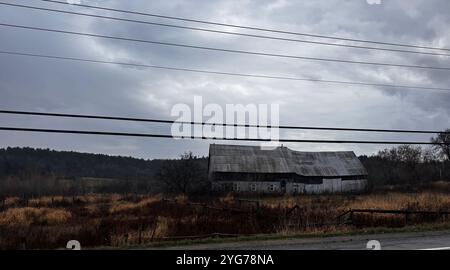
69	87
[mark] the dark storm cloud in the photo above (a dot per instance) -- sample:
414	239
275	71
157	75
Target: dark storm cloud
61	86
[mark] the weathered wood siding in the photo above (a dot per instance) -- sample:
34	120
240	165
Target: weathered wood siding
328	186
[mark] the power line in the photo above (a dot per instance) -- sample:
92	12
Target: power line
221	49
55	57
248	27
105	133
85	116
222	32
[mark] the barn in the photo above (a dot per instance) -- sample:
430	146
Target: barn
281	170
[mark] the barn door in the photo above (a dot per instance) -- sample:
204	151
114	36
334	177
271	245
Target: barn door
283	186
332	185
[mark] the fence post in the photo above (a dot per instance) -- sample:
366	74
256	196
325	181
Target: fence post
24	244
154	230
126	238
140	234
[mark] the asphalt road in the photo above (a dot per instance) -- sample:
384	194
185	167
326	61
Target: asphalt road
395	241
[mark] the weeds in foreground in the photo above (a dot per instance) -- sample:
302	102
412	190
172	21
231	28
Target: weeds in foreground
115	220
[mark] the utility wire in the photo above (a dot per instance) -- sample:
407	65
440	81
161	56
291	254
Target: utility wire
216	124
221	49
221	32
105	133
248	27
55	57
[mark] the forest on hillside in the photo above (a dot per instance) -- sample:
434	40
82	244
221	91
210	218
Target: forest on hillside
38	172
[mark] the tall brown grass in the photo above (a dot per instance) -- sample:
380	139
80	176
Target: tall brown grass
124	206
34	216
403	201
115	220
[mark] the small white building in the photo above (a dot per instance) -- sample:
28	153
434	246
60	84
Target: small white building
252	169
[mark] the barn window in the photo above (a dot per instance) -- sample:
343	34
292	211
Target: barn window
272	187
297	188
224	187
236	187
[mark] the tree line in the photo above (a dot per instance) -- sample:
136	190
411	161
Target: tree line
38	172
29	172
410	166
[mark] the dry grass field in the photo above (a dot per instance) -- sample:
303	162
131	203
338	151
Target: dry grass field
116	220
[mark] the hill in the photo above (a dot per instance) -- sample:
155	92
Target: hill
36	172
17	161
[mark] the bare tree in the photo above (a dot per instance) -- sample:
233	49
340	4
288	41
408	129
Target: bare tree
185	175
444	144
411	156
403	162
430	155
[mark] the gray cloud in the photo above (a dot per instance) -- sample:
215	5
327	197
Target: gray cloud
61	86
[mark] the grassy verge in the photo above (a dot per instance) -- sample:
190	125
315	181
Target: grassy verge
367	231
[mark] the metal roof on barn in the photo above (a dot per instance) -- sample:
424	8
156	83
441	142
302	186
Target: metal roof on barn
254	159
